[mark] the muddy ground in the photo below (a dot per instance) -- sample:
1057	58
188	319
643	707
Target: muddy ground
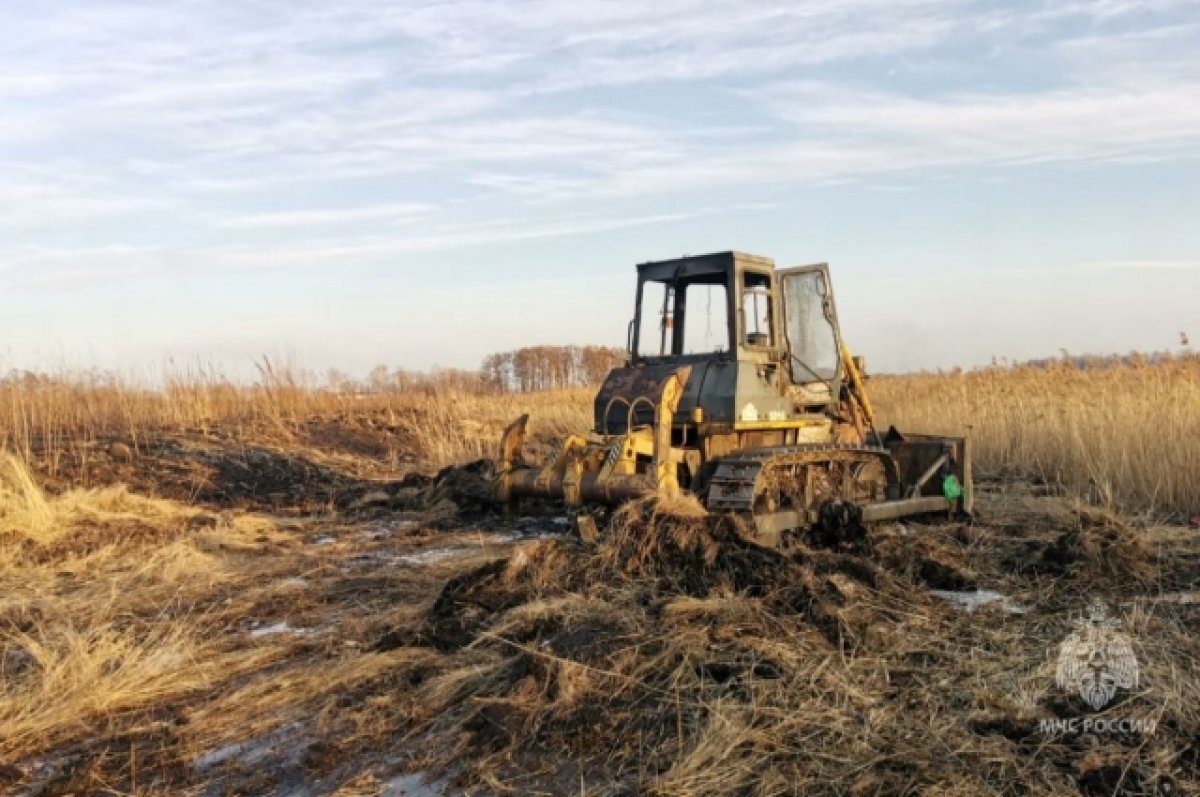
425	644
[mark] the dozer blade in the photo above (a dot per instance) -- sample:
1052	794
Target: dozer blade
934	467
599	469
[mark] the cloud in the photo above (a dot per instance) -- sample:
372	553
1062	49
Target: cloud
48	198
968	128
499	96
315	251
76	268
145	140
58	267
403	212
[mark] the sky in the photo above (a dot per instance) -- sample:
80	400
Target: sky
345	184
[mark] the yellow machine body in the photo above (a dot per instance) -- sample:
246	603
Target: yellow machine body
774	422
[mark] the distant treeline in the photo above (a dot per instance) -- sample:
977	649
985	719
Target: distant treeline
522	370
1084	362
548	367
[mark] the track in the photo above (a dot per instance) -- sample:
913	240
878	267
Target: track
785	487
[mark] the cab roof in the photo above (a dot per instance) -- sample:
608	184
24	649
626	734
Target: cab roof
700	265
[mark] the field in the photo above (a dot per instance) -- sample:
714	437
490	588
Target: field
217	589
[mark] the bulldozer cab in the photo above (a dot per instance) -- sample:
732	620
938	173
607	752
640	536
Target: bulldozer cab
733	306
762	344
721	305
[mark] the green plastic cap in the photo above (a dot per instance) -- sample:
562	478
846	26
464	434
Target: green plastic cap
951	488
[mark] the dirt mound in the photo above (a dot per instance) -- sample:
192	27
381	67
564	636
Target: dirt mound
267	479
676	656
930	557
218	473
468	488
456	495
1090	546
260	477
1100	545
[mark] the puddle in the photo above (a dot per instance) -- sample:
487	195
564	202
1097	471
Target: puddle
971	600
278	628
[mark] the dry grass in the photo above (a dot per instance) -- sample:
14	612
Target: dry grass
126	644
1121	436
100	596
459	428
56	420
1117	435
27	514
123	635
674	658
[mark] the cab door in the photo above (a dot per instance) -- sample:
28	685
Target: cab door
810	325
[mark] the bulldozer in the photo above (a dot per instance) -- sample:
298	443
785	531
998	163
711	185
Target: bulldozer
740	389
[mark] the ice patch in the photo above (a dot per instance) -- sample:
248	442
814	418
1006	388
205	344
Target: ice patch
1180	598
542	528
439	554
969	601
383	532
278	628
431	556
247	752
415	785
